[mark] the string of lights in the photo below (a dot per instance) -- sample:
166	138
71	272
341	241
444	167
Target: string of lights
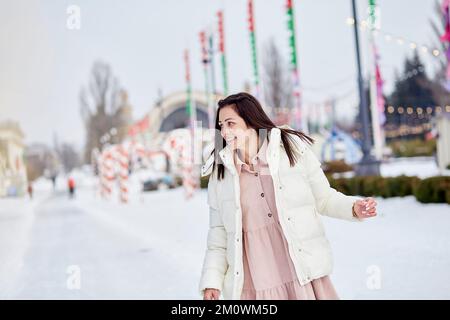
417	110
390	37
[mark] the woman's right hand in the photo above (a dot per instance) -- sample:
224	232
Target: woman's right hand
211	294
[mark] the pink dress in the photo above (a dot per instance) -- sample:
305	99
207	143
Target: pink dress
269	273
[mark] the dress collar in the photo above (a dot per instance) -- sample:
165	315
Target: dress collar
260	156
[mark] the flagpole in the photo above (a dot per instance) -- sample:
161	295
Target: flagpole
374	94
368	164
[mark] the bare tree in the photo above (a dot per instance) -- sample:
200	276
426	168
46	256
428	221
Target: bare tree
276	80
41	160
104	106
69	157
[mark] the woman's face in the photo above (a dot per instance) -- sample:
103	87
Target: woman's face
233	128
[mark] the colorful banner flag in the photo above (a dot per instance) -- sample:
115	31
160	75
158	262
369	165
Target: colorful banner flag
251	29
379	81
222	51
299	117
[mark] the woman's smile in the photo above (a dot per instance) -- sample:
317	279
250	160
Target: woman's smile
230	139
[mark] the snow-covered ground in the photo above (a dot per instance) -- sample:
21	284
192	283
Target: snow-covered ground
422	167
16	221
153	247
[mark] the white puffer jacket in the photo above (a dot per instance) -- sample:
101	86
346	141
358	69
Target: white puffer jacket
302	193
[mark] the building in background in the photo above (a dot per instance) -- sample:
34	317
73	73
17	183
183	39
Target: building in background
169	113
13	177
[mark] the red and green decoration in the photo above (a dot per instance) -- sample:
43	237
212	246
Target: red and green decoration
446	39
373	21
189	110
299	121
222	51
251	28
291	29
379	83
204	48
372	13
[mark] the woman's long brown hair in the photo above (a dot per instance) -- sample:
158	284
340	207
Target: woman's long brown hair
249	109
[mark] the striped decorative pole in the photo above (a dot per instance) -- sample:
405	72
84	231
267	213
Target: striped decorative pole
106	173
251	29
300	117
122	172
206	62
222	51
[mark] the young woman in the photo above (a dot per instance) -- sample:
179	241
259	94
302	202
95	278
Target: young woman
265	193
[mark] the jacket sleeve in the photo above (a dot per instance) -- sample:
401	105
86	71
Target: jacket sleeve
215	262
329	201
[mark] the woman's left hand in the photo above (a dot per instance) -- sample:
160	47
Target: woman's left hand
365	208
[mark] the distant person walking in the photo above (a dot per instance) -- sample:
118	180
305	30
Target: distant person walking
30	190
53	178
71	185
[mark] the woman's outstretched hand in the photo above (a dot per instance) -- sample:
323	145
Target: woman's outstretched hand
211	294
365	208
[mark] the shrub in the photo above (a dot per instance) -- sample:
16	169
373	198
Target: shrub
433	190
376	186
336	166
413	148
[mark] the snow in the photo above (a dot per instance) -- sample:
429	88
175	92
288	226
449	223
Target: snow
422	167
16	221
153	247
408	242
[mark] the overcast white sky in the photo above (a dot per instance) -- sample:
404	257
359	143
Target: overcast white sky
43	64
